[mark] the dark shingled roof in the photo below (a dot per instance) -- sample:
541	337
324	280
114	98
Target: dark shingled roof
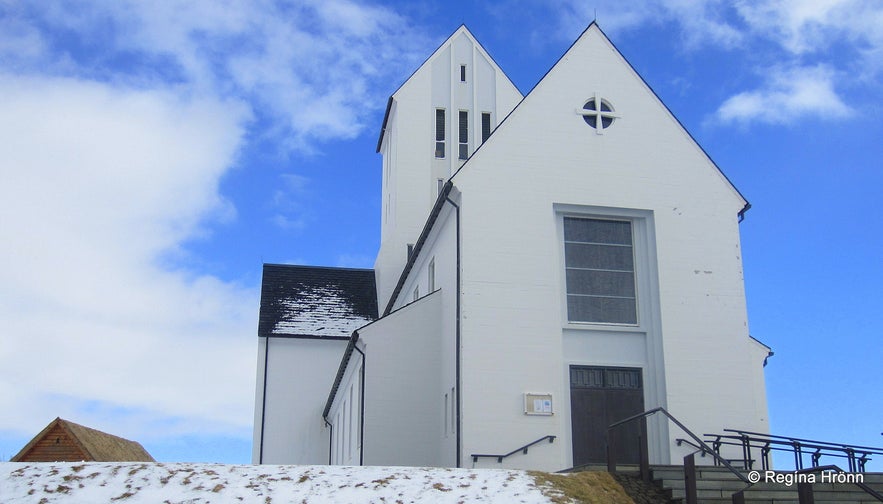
315	302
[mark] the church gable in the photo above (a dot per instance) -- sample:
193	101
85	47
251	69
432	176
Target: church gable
460	41
595	233
593	116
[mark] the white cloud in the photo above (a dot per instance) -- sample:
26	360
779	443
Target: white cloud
291	212
813	40
118	120
810	25
100	183
699	21
311	67
787	96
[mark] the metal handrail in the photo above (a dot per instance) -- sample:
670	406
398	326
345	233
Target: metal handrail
768	445
802	440
523	449
704	447
857	456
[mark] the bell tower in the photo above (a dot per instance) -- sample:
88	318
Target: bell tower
433	124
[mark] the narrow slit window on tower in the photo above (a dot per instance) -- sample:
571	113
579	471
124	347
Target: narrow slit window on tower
430	274
410	250
453	410
485	126
446	415
440	183
439	133
464	134
462	73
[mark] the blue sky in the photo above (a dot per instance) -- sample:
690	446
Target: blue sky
155	154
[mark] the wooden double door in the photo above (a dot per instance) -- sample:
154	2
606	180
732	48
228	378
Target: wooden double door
600	396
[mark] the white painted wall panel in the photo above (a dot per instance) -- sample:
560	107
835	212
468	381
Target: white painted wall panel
441	247
299	378
345	415
402	407
705	370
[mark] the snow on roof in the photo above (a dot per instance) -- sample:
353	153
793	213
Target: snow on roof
137	483
310	301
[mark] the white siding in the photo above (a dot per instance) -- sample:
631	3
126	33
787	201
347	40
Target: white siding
403	380
345	415
300	375
440	247
693	345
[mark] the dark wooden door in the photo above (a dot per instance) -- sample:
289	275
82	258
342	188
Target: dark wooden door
599	397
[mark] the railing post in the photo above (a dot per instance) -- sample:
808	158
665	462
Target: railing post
739	497
692	496
850	456
804	493
765	456
798	455
611	455
643	451
716	446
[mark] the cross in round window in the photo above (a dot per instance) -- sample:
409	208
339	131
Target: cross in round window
598	114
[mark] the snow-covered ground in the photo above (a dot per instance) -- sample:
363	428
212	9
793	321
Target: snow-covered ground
131	483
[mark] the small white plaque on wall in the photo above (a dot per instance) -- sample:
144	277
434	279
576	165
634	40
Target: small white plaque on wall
537	404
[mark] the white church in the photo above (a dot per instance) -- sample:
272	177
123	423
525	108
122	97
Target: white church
549	264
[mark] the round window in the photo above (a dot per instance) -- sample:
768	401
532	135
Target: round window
593	112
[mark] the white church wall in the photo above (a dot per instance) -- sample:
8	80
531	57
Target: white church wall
440	251
515	338
345	416
760	353
402	409
299	375
409	147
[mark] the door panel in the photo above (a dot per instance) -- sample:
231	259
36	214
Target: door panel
598	398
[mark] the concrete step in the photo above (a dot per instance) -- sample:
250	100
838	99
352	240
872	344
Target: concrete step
716	485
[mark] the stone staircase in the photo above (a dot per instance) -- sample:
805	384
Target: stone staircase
716	485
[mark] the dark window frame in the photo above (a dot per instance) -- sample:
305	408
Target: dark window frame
440	122
600	277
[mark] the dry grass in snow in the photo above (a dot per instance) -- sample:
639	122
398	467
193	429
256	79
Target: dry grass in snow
135	483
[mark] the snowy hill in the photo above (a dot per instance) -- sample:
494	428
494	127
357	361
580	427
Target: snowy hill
135	483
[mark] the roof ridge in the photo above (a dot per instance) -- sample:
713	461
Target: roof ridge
313	266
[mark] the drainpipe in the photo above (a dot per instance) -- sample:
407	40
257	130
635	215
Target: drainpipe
457	350
361	407
264	403
330	437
